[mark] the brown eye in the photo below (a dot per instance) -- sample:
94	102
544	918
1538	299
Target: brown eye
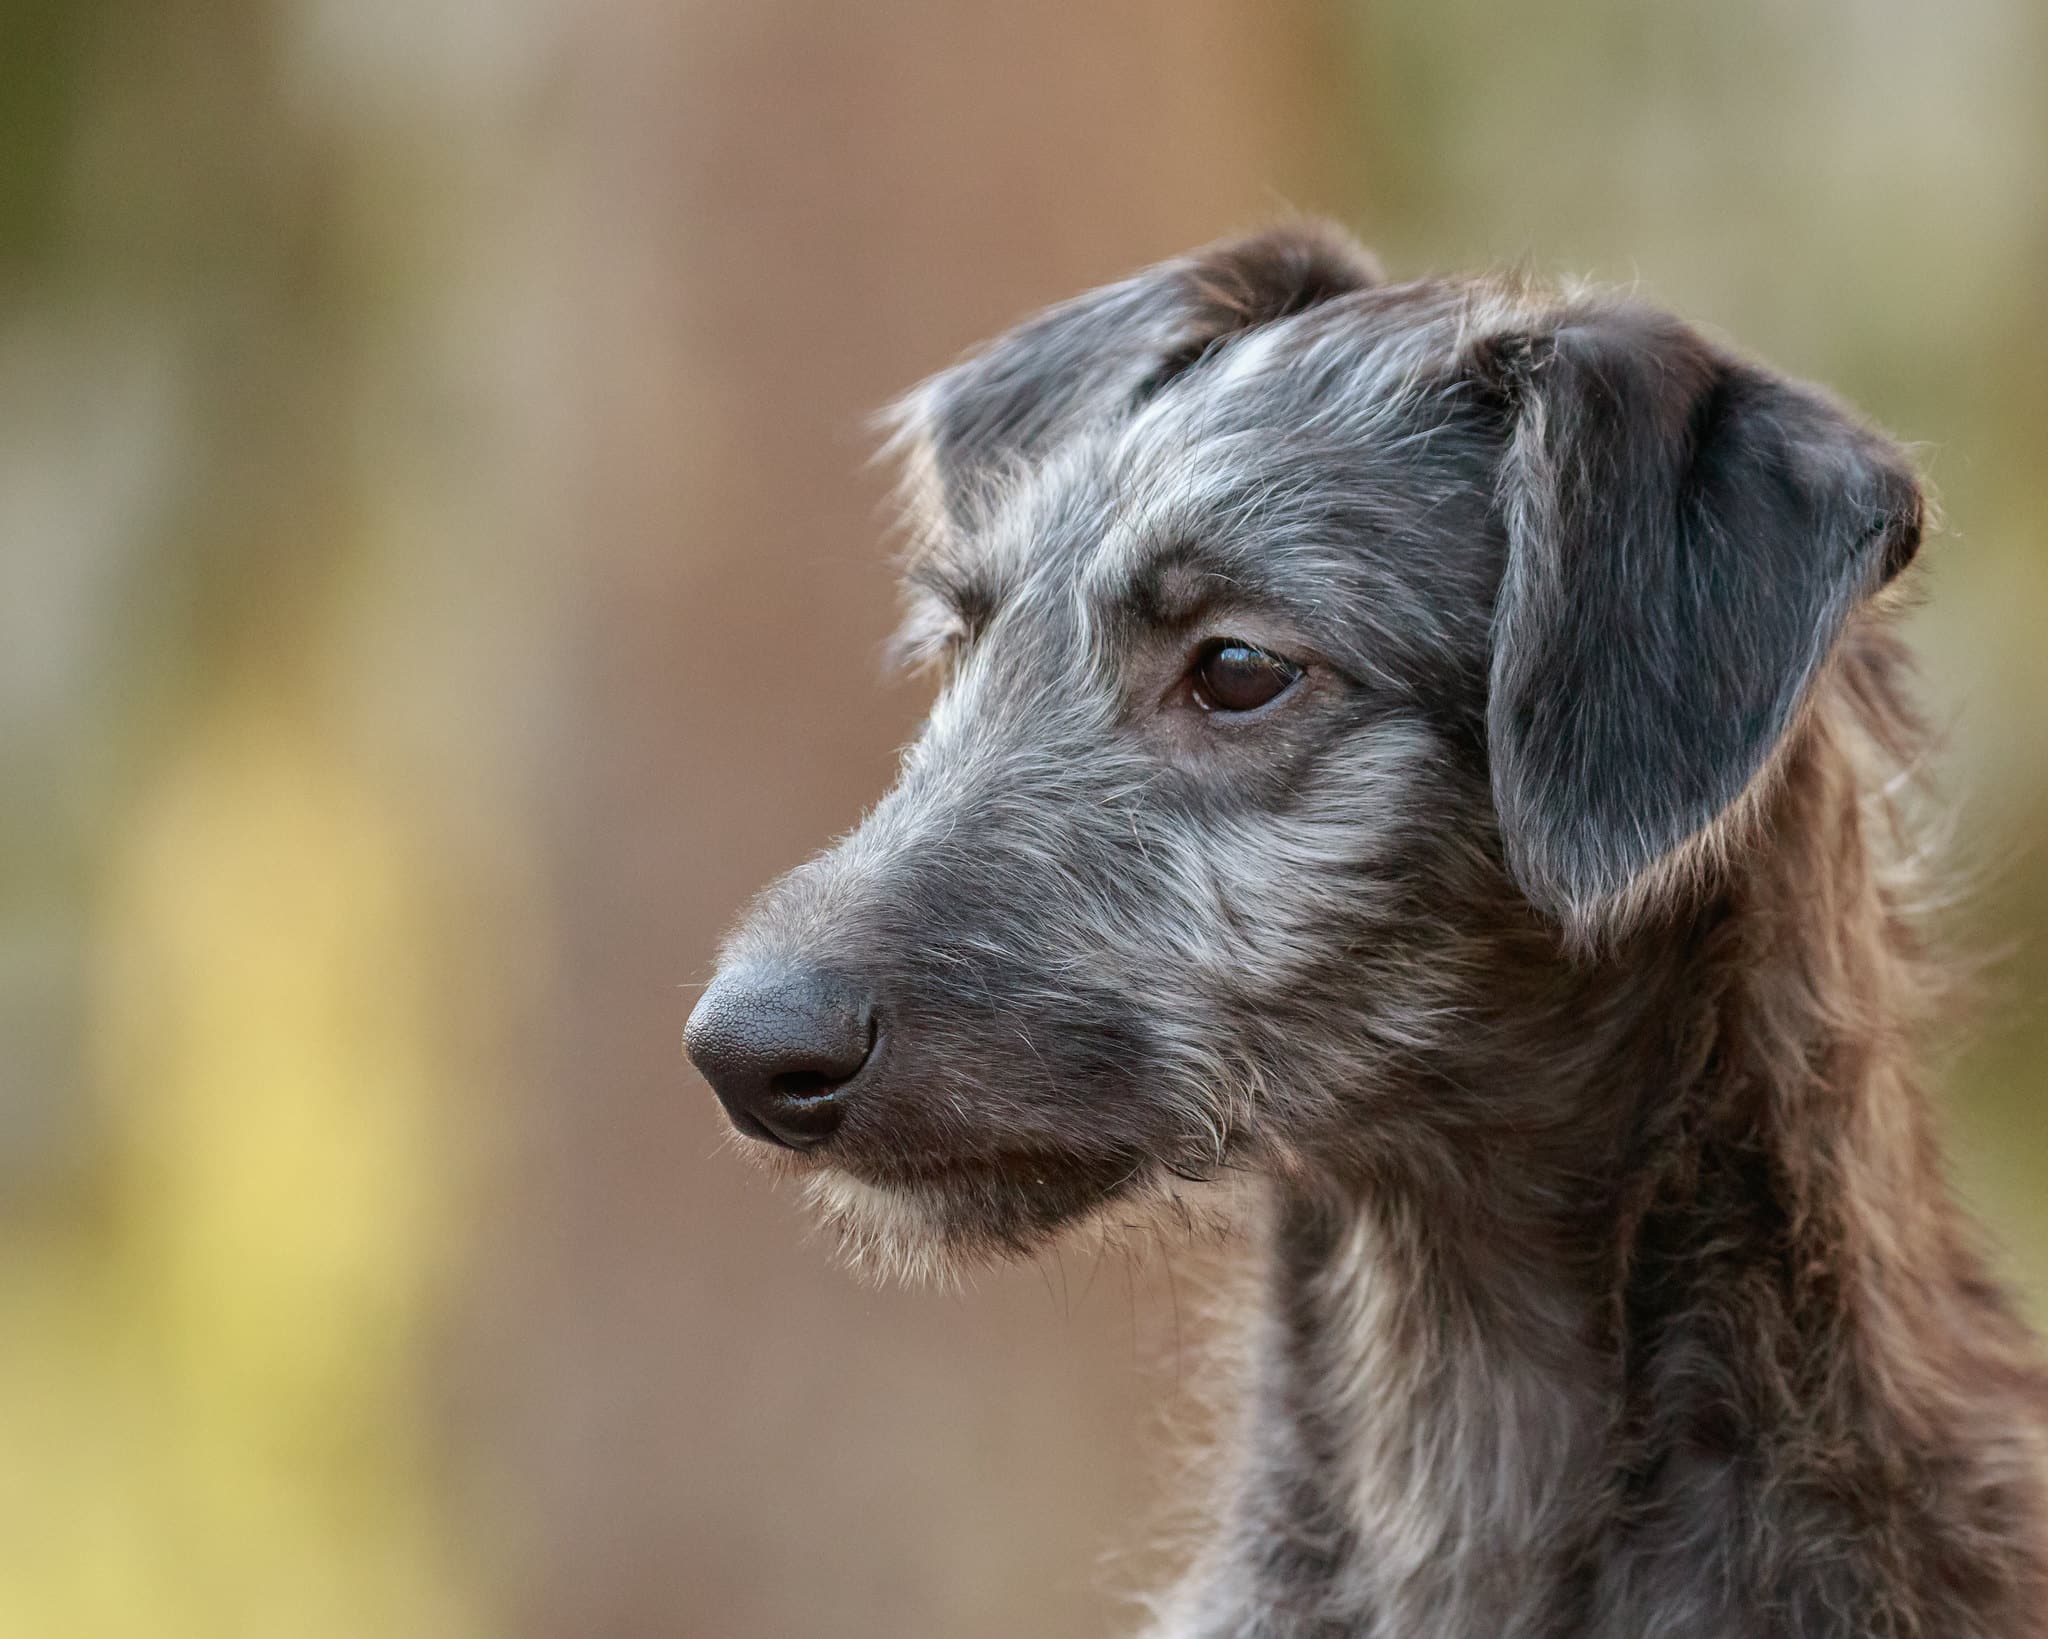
1233	676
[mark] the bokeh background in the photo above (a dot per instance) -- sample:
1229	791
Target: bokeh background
439	577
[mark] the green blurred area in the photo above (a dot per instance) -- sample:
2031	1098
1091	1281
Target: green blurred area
297	399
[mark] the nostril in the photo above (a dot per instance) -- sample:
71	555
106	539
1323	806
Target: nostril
799	1121
802	1084
780	1049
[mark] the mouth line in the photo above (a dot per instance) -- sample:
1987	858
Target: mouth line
1013	1166
1027	1168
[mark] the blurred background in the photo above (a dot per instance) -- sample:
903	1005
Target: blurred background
439	578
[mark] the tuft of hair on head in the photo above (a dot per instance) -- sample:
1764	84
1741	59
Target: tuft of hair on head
1090	361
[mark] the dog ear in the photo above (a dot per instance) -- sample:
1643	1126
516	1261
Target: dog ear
1100	356
1686	535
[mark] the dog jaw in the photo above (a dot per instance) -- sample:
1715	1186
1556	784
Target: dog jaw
927	1233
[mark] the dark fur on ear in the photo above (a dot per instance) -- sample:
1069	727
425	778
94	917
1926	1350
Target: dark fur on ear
1104	354
1687	534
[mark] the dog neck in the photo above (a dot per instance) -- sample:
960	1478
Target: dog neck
1420	1430
1705	1353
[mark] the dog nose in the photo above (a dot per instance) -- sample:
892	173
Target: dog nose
779	1049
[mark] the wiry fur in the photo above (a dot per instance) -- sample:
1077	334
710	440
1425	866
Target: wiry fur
1545	965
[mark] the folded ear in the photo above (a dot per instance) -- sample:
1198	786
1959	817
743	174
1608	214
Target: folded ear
1100	356
1686	535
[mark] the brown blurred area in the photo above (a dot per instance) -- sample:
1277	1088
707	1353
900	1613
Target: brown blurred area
441	576
794	211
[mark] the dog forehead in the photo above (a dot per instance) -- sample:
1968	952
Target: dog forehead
1235	456
1301	443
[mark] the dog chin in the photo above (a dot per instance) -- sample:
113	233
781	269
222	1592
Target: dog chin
888	1233
938	1231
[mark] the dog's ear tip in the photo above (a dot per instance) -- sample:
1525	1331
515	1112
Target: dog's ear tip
1101	355
1304	232
1572	892
1282	269
1564	864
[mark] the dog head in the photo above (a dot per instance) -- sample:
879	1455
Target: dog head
1305	641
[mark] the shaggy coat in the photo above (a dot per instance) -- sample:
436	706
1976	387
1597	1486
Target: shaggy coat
1432	757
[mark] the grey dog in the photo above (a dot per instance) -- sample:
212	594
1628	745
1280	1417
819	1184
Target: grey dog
1423	768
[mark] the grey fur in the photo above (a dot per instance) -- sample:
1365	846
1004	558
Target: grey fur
1539	964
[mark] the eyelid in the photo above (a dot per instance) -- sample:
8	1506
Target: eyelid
1285	649
1290	646
1275	668
1233	640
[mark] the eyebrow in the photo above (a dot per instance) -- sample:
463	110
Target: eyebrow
1173	584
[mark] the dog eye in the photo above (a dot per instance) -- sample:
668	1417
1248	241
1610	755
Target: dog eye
1231	676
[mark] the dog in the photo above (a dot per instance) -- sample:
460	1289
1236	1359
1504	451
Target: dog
1428	768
